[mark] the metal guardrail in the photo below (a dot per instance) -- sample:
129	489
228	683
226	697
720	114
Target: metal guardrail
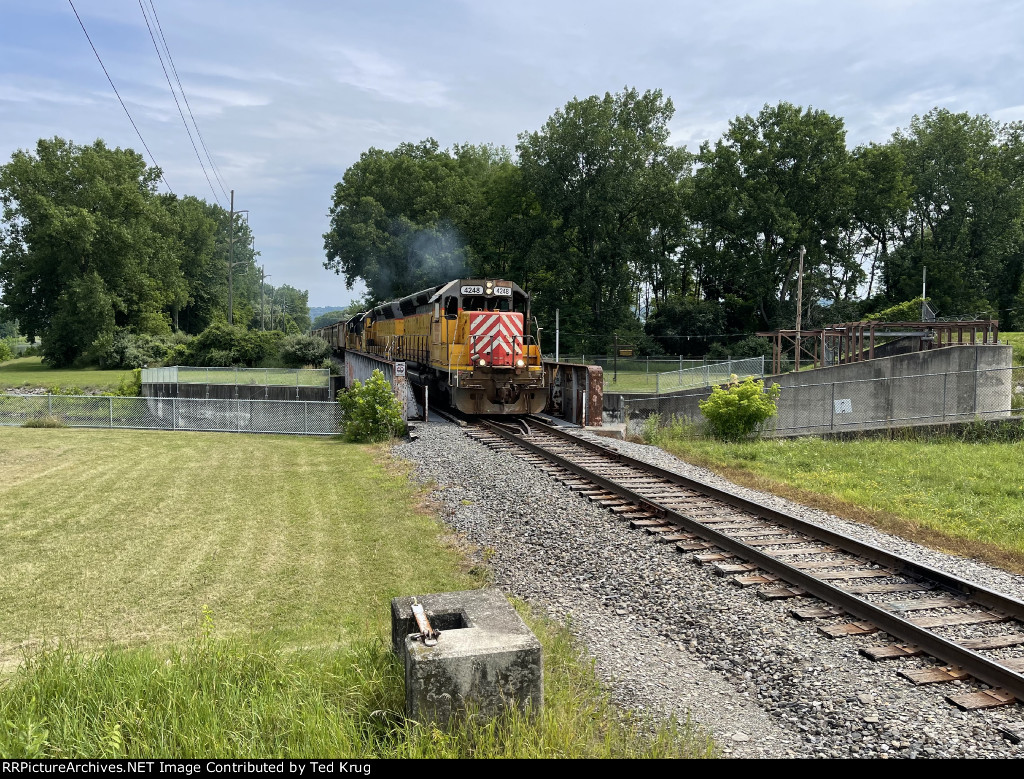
289	417
272	377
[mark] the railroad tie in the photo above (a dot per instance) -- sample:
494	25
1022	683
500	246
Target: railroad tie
984	699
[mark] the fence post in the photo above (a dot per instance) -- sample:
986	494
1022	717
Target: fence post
49	404
174	413
305	424
945	380
111	413
832	422
657	383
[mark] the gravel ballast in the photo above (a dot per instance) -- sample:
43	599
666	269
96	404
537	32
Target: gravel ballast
670	636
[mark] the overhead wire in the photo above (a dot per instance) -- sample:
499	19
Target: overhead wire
181	88
181	113
126	111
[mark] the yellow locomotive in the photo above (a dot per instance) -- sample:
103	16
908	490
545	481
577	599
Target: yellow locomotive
468	340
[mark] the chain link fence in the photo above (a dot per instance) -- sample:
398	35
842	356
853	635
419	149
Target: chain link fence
273	377
710	374
643	375
293	417
863	404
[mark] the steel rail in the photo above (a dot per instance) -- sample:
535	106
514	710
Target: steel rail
977	665
900	565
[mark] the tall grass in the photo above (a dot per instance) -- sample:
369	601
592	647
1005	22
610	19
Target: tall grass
249	697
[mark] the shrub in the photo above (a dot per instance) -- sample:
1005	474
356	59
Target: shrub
751	346
221	345
124	349
6	352
44	421
259	346
74	389
737	412
130	385
299	350
370	411
651	426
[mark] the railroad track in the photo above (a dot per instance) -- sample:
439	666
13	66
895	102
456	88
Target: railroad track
974	633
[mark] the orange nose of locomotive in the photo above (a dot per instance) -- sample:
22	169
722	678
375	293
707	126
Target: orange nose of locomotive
495	338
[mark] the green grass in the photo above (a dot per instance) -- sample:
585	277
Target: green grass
1016	340
228	595
125	536
224	698
29	372
967	497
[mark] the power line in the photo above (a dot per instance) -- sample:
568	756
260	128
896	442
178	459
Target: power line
181	113
127	113
174	70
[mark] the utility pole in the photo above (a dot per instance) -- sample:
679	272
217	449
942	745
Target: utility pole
799	304
615	361
231	260
556	335
263	277
924	288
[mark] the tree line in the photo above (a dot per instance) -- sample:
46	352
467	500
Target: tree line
91	255
599	215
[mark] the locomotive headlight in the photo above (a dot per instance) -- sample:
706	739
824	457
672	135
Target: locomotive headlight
520	363
483	362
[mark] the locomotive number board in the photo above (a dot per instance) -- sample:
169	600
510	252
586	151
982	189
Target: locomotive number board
477	290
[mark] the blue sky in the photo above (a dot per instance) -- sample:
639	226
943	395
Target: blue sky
287	94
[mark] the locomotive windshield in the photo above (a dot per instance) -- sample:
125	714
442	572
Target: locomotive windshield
484	303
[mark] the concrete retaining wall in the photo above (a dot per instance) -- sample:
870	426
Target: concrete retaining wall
951	384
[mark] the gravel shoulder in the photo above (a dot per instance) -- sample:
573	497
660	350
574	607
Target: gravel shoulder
669	636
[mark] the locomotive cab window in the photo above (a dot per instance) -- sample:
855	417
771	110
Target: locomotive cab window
451	307
484	303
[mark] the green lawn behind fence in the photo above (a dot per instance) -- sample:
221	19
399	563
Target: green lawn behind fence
30	373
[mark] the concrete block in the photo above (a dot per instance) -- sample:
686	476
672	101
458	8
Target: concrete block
486	659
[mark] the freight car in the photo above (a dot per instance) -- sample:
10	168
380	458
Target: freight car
468	340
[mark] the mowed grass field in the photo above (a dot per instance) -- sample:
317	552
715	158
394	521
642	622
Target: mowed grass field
967	498
124	537
225	595
1016	340
30	372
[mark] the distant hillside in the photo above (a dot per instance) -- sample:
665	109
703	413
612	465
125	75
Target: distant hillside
315	311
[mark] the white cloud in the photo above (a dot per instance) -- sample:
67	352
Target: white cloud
388	79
